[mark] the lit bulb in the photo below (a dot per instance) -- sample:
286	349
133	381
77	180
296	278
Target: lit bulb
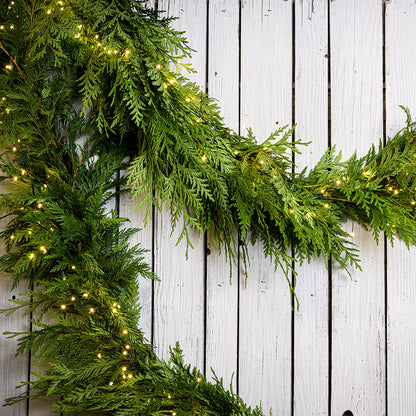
261	162
14	149
123	368
110	383
165	86
390	189
326	205
125	352
125	332
114	310
96	36
130	375
127	347
124	376
173	413
11	237
396	191
79	26
322	191
203	158
73	267
98	44
40	205
63	307
199	379
49	11
9	67
172	81
73	298
92	310
43	249
11	27
169	396
413	202
115	304
128	52
1	27
236	152
99	355
23	172
52	229
29	232
198	120
85	295
158	66
274	176
338	182
231	132
45	185
115	52
109	51
31	255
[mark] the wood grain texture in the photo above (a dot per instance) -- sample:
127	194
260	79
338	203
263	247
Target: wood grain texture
265	310
13	369
401	263
358	356
311	363
221	293
179	296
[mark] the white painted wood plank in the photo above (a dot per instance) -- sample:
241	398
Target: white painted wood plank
401	263
13	370
358	356
179	297
265	310
222	294
311	116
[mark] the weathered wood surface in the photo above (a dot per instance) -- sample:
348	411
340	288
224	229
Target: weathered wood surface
318	64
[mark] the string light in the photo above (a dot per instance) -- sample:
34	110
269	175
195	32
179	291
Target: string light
198	120
9	67
23	172
73	298
158	66
31	256
326	205
124	376
236	152
49	11
127	52
199	379
63	307
396	191
85	295
2	27
123	368
204	158
92	310
165	86
114	310
73	267
413	202
11	27
110	383
322	190
390	188
97	36
169	396
29	232
124	332
12	237
338	182
261	162
130	375
125	352
187	99
40	205
14	149
127	347
45	185
43	249
99	355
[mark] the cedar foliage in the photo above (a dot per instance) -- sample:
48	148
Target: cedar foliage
108	74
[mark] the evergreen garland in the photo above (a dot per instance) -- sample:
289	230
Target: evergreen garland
107	74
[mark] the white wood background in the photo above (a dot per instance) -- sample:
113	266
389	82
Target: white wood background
339	70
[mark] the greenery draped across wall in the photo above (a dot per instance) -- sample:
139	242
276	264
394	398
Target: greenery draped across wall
89	88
